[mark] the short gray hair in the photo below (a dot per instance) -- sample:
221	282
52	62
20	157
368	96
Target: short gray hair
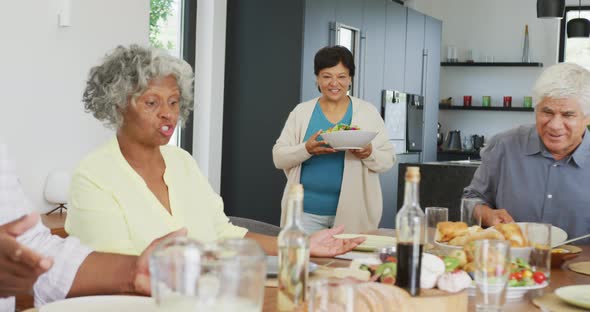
564	80
125	74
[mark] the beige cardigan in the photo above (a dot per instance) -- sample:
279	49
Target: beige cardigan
360	204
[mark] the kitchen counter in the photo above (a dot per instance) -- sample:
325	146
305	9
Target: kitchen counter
464	163
443	155
441	184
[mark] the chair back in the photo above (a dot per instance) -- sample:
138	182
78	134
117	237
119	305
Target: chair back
256	226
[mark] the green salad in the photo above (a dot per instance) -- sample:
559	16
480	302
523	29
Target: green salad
342	127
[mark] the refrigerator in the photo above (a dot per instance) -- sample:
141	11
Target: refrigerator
403	114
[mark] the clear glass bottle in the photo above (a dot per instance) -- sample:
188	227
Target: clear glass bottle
409	224
526	53
293	255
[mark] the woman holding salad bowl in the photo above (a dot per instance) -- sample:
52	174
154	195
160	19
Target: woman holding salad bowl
341	187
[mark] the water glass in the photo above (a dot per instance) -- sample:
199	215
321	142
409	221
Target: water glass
332	295
539	237
434	215
469	213
492	268
225	276
486	101
528	101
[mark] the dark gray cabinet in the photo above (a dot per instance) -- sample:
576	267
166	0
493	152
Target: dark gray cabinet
413	65
431	88
395	41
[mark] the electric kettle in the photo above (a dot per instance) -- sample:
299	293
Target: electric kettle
453	141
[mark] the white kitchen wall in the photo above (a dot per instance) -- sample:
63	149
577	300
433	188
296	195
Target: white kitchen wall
494	28
42	76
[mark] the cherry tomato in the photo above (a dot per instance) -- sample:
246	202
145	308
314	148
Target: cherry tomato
390	259
518	275
512	276
539	277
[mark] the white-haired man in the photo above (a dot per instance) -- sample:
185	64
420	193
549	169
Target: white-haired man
541	172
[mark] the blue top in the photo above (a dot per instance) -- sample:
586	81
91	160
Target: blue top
321	175
519	174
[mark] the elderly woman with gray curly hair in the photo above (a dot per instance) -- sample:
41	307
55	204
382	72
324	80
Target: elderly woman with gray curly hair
135	187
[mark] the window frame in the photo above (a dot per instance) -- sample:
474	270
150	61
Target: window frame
188	50
335	28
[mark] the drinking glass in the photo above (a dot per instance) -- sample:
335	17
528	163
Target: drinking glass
492	268
469	213
434	215
225	276
539	237
331	295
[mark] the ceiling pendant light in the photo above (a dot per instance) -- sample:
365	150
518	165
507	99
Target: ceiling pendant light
550	8
578	27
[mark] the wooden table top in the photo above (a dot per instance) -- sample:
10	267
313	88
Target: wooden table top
559	277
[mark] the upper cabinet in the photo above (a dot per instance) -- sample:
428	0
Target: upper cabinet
414	52
395	41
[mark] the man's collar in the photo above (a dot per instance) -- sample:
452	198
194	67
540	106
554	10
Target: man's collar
582	153
580	156
533	145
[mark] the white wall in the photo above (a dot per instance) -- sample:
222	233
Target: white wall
42	76
490	28
209	86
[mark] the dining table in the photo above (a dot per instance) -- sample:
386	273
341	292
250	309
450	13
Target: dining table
560	277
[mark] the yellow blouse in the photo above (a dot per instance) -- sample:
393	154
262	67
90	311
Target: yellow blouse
111	209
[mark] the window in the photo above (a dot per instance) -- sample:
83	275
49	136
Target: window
173	27
350	38
575	50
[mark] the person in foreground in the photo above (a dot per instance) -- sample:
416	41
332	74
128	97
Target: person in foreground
341	188
51	268
540	172
136	187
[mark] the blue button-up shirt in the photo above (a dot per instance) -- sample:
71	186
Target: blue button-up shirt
520	175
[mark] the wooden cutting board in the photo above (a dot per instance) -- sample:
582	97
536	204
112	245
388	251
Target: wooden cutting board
436	300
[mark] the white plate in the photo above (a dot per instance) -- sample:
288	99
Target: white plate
578	295
371	242
347	148
272	266
513	293
101	304
558	235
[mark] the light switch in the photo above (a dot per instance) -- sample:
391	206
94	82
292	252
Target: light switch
64	13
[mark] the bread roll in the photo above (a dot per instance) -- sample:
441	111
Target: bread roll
512	233
377	297
485	234
446	231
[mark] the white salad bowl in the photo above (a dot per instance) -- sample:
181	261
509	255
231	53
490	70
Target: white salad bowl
349	139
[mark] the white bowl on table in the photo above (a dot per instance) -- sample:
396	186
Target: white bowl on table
349	139
512	293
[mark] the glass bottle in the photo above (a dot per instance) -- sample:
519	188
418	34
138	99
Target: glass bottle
293	255
526	56
409	224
